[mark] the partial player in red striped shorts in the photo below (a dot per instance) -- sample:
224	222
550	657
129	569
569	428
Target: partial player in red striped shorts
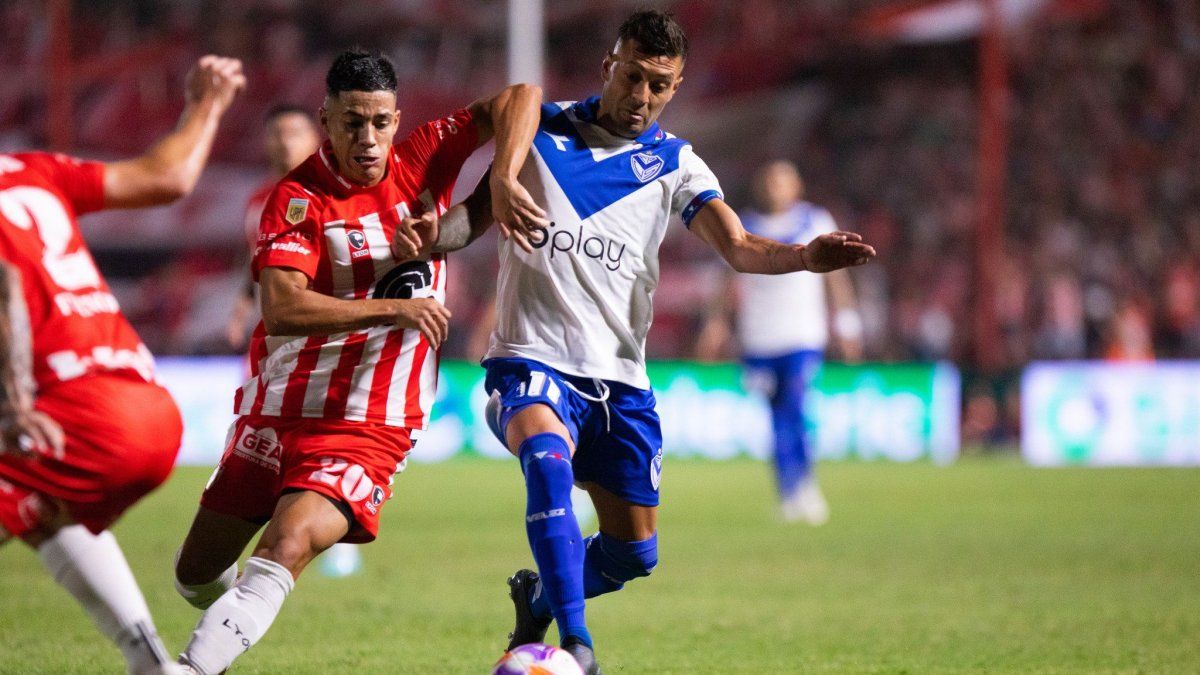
344	364
85	432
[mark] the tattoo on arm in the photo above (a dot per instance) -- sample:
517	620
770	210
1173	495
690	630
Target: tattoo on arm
466	222
16	344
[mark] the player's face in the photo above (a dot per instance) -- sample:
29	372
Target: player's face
636	88
360	126
291	138
777	186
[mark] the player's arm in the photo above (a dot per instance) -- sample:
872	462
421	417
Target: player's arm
23	430
720	228
511	117
170	168
290	307
717	330
847	322
462	224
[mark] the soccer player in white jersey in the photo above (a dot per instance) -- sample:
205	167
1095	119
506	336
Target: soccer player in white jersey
344	364
783	329
566	365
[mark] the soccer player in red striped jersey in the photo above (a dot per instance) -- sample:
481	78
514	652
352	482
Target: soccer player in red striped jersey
85	432
344	365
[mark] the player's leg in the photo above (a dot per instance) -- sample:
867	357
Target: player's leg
335	477
544	448
93	570
239	498
804	499
305	523
787	425
119	460
206	564
625	548
529	410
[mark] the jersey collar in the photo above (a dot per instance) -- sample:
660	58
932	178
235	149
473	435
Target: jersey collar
588	109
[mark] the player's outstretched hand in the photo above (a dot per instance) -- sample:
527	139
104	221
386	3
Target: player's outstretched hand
215	79
415	236
426	315
836	250
31	432
515	212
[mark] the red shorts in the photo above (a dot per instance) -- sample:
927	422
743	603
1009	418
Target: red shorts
351	463
122	436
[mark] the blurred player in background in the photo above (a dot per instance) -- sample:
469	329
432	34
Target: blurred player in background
566	367
84	430
290	137
345	360
783	328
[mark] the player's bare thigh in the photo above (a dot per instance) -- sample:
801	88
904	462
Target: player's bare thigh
214	542
305	523
531	421
621	519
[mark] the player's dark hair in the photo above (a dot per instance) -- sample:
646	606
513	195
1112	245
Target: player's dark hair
656	33
281	109
355	70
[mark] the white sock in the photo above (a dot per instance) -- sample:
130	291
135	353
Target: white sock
93	570
202	596
240	617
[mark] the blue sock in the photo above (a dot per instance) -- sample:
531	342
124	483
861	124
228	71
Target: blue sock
553	532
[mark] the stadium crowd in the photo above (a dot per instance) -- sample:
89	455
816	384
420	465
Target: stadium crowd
1103	235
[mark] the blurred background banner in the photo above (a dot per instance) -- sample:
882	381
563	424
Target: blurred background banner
898	412
1102	414
901	412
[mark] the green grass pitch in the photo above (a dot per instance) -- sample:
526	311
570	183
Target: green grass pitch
984	566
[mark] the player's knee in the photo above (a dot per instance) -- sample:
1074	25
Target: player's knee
626	560
198	584
546	461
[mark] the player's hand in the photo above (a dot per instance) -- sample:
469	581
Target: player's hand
216	80
426	315
415	236
515	212
31	432
834	251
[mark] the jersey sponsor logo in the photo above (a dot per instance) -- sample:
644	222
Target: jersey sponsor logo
545	515
260	446
646	166
68	365
358	244
444	126
377	497
86	305
656	466
291	247
297	208
607	252
403	281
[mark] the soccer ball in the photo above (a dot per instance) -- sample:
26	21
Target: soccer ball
537	659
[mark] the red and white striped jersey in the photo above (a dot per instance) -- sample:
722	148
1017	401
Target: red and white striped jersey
339	235
76	324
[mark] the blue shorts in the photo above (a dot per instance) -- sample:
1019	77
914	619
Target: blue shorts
618	438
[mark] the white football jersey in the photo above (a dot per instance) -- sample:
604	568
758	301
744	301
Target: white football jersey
783	313
581	301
